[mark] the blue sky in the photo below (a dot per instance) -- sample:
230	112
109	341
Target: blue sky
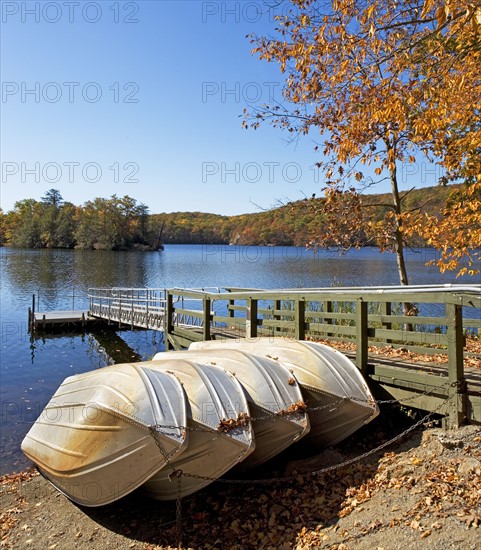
145	98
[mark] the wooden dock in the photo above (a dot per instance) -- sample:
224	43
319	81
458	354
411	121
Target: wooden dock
368	318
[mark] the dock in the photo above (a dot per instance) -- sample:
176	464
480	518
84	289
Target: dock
61	319
443	319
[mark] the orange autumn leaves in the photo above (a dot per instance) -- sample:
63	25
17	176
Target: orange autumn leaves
379	83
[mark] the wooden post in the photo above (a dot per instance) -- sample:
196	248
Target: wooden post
300	319
251	319
206	319
457	382
361	336
328	319
386	312
277	306
43	321
168	320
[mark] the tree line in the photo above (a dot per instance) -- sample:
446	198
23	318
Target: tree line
121	223
117	223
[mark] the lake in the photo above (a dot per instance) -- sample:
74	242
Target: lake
31	370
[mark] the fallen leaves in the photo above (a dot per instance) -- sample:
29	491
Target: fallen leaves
416	488
473	346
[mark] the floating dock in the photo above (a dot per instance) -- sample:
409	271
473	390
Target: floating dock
59	319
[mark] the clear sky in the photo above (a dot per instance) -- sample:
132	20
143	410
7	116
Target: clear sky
145	98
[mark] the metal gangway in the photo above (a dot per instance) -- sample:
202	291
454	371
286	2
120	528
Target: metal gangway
144	308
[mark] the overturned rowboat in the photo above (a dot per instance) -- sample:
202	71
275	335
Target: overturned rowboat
338	398
274	397
175	424
99	437
219	427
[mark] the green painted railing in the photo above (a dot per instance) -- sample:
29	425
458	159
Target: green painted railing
439	320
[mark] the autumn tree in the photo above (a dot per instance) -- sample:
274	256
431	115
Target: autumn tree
23	224
378	82
112	224
3	228
456	232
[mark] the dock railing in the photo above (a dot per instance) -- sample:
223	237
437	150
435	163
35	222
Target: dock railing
135	307
440	319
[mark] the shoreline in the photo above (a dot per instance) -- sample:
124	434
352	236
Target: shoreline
424	489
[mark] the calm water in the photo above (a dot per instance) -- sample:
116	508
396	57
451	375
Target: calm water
31	371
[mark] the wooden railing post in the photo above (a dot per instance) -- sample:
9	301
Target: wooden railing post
231	311
168	319
457	382
328	320
300	319
206	318
361	336
251	318
386	312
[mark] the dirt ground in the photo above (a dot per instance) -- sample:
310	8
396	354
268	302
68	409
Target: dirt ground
421	491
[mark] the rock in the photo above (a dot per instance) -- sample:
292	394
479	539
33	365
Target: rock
451	441
469	464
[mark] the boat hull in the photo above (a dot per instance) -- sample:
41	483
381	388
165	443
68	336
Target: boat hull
100	436
338	399
273	394
215	398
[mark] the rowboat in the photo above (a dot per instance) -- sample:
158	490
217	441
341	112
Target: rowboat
219	427
273	394
338	398
101	435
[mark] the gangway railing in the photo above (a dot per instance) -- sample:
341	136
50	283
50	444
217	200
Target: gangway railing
145	307
135	307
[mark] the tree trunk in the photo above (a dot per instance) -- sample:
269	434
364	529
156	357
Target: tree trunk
407	308
398	239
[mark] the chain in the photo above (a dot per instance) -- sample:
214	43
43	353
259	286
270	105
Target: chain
412	398
273	415
177	474
327	469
